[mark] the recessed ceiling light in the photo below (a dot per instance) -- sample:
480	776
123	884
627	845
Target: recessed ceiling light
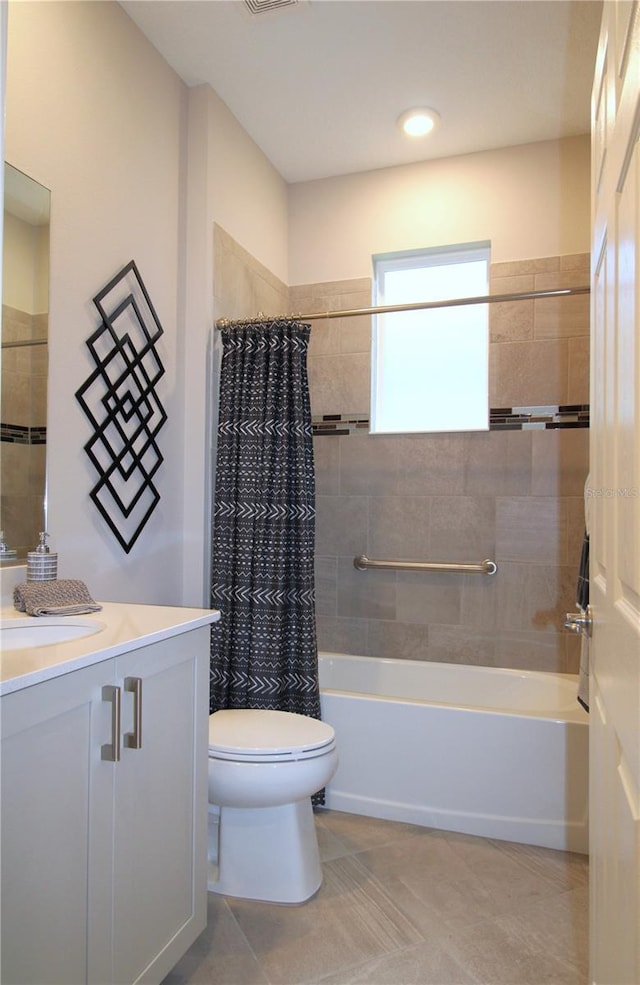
418	122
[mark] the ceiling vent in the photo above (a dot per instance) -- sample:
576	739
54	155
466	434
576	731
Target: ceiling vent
265	6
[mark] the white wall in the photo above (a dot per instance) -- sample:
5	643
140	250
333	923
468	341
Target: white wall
249	195
25	273
140	168
96	115
230	182
530	201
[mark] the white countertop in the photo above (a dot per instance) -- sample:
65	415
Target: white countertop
126	627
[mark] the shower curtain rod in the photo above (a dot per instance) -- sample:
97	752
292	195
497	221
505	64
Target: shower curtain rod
415	306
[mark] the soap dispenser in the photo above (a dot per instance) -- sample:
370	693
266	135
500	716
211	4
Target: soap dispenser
42	565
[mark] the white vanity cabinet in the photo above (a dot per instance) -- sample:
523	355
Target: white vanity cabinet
104	862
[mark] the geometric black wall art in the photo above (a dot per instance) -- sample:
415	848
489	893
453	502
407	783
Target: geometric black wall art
120	400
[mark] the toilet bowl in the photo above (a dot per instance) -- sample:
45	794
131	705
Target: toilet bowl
263	768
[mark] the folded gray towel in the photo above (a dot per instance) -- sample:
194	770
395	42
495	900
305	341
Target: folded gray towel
67	597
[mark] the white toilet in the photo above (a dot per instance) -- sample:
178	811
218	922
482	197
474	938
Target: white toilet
263	768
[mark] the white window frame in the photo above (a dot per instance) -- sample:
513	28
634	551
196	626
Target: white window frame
438	383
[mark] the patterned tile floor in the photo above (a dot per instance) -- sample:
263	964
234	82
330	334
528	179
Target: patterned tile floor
404	905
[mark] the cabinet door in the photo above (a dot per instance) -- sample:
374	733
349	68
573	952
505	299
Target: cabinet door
56	808
161	807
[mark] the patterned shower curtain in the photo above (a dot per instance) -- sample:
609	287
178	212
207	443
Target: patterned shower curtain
263	649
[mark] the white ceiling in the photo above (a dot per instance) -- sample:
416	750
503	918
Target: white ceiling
319	85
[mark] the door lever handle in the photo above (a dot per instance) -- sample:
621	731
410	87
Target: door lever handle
579	622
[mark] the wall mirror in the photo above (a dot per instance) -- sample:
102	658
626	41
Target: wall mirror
23	388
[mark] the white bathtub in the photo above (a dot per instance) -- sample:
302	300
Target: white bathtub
485	751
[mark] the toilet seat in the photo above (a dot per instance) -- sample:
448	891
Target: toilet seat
255	735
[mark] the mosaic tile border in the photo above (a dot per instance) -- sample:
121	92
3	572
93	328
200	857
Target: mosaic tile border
548	417
336	424
21	434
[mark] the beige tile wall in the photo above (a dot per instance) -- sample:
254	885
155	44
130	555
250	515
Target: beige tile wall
540	349
24	403
243	286
516	496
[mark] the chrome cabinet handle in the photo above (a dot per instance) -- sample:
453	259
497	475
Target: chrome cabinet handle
578	622
110	751
133	740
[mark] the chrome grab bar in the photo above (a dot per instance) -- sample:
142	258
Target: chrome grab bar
486	567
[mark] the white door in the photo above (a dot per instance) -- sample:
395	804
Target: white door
615	503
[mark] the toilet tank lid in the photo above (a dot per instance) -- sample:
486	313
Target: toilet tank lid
260	731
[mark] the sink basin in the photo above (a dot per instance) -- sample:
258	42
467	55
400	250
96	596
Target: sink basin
20	634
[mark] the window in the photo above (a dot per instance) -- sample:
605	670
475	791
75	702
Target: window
430	368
